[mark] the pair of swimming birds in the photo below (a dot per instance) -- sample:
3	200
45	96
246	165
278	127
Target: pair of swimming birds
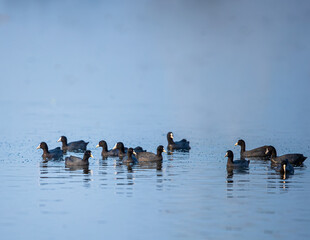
284	164
128	155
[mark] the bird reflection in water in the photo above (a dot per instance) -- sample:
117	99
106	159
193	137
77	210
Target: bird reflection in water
76	168
129	167
284	183
46	169
231	171
158	165
171	151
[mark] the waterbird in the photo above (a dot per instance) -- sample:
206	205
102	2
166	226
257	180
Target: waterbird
180	145
237	163
55	153
129	158
149	156
72	146
105	152
294	158
259	152
122	150
77	161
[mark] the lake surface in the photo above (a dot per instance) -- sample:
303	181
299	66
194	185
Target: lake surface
189	196
209	71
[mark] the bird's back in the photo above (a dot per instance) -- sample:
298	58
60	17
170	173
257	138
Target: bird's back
74	161
148	156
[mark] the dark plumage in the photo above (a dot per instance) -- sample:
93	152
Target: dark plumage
237	163
72	146
76	161
105	152
129	158
149	156
50	154
259	152
180	145
122	150
138	149
294	158
285	168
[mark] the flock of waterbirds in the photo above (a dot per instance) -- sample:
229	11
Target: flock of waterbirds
283	164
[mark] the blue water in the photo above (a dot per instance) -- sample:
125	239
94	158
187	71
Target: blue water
189	196
210	71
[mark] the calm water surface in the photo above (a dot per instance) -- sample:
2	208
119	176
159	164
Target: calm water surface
189	196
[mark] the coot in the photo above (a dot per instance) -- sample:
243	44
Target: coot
149	156
180	145
72	146
105	152
50	154
122	150
294	158
129	158
76	161
259	152
237	163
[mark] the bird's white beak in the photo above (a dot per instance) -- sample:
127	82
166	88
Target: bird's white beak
114	147
164	150
267	151
97	146
59	140
38	147
236	143
226	155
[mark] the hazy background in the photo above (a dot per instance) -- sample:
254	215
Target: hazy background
211	65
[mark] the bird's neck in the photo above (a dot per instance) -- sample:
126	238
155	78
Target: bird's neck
273	153
105	149
242	148
64	143
129	155
230	160
158	153
45	150
170	140
121	150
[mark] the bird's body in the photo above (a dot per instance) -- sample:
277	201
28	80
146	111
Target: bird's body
72	146
296	159
149	156
259	152
139	149
121	151
231	163
77	161
105	152
120	148
129	158
179	145
55	153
